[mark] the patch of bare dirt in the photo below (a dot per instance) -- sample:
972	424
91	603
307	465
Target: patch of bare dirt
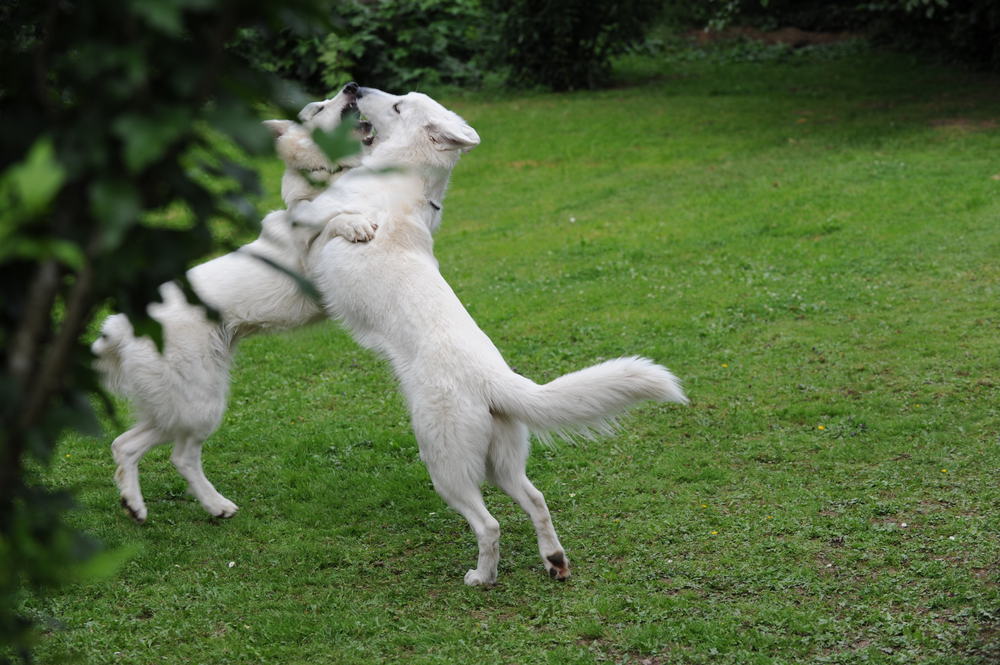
794	37
964	124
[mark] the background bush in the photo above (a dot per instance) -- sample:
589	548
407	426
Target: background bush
392	44
403	44
567	44
968	30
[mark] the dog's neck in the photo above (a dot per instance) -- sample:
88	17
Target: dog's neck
432	168
435	180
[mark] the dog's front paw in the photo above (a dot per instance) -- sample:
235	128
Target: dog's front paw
354	227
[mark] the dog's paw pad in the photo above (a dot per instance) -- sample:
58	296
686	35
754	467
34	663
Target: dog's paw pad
558	566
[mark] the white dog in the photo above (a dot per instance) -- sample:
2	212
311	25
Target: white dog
471	414
181	394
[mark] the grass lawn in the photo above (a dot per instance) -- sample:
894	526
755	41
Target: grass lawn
813	246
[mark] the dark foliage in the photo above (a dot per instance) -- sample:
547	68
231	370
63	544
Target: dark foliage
404	44
110	170
391	44
967	30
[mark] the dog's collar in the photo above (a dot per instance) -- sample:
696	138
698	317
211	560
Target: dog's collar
436	206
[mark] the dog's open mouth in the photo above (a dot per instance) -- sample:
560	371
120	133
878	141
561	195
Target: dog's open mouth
367	131
366	128
350	108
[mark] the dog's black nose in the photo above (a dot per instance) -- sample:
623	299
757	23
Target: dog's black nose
351	88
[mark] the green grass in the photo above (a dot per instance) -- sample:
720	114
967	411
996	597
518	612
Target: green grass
812	246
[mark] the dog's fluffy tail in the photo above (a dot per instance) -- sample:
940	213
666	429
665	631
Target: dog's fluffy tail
587	401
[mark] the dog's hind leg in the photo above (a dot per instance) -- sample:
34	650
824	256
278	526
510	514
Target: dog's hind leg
464	495
509	448
127	450
187	459
454	450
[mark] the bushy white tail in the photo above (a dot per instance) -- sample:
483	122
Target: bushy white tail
587	401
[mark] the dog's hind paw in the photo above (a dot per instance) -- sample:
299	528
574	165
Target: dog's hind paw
222	508
476	578
557	565
136	513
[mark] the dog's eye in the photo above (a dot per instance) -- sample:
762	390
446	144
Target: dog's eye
395	107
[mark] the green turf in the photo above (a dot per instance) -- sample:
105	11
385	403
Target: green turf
813	246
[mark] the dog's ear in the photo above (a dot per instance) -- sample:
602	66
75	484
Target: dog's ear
278	127
452	135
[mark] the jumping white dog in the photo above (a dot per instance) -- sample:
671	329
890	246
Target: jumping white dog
470	412
181	394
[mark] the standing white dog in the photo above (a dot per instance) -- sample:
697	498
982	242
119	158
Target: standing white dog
470	412
181	394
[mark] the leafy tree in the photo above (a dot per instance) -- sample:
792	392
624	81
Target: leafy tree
111	167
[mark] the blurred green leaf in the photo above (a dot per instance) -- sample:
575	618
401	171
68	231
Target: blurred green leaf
27	188
40	249
341	142
160	15
147	138
116	206
240	124
106	563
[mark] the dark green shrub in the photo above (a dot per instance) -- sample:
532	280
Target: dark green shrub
392	44
567	44
965	29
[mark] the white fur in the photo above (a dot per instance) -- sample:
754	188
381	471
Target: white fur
181	394
470	413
